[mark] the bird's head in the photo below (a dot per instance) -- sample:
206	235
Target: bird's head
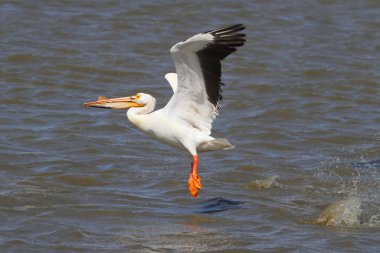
138	100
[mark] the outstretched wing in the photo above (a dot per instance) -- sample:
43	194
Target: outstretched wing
172	80
198	65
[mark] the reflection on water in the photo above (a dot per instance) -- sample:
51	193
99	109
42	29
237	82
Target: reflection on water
219	204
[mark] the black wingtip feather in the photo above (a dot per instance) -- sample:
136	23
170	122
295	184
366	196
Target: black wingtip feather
228	29
226	40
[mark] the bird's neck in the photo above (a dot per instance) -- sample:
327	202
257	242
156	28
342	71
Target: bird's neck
137	115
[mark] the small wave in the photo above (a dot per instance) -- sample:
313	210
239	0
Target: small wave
263	183
375	164
80	181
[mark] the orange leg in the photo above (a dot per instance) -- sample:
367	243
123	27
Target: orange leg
194	179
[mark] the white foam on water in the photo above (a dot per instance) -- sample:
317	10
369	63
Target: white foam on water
343	213
374	221
351	212
356	187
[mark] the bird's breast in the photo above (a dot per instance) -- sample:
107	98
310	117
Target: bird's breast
160	127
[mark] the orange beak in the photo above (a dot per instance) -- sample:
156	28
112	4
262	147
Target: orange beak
114	103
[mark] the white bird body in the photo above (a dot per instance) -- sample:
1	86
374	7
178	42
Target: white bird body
167	131
171	132
186	121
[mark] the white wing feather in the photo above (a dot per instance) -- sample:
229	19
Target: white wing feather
190	102
198	65
172	80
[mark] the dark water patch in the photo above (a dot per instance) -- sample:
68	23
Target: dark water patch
219	204
7	201
315	73
21	58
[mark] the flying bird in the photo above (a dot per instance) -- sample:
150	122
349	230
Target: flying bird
185	122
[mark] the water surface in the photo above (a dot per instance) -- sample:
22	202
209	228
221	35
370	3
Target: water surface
301	105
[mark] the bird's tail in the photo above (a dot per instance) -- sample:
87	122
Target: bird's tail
215	144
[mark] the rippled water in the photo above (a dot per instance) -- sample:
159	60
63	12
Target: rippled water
302	105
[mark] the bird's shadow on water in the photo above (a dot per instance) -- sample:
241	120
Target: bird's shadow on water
218	204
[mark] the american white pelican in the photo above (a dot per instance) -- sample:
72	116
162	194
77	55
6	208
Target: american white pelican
185	122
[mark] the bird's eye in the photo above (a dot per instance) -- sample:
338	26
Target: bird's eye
138	96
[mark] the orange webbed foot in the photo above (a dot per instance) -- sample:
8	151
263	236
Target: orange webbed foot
194	184
194	179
